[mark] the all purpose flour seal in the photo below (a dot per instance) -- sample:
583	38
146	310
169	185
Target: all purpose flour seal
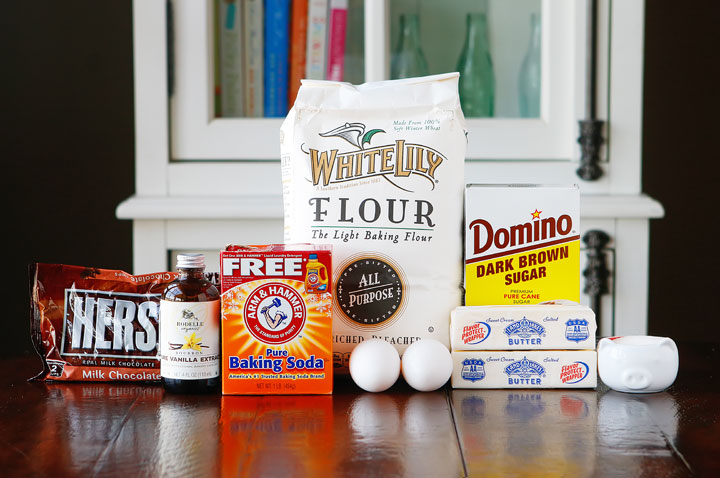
377	171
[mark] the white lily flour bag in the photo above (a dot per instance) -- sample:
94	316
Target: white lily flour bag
377	171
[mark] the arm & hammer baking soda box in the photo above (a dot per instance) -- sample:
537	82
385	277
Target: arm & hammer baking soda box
276	319
522	244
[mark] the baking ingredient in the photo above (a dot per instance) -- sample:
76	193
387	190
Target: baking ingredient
91	324
427	365
522	243
524	369
374	365
190	330
276	321
554	325
377	171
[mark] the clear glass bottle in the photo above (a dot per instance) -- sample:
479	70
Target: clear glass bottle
529	79
477	78
408	59
190	330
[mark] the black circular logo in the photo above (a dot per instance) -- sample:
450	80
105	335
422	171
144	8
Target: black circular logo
370	291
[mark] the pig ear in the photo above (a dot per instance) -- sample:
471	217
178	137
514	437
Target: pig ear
669	343
604	343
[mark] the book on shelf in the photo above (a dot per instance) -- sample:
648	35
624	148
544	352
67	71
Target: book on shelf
254	20
216	56
298	46
353	63
337	30
277	47
315	62
231	59
263	48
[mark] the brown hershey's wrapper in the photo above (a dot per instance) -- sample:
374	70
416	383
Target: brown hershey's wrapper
92	324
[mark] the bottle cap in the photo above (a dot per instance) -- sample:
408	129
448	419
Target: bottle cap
313	256
190	261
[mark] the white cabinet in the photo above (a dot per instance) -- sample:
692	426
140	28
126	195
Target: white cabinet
203	181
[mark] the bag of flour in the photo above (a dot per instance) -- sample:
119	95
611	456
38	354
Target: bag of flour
377	170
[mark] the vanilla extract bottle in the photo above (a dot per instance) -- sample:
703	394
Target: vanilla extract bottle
190	330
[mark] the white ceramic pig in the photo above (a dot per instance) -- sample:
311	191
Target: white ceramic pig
637	363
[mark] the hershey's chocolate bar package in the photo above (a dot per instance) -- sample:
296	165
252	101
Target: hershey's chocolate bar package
92	324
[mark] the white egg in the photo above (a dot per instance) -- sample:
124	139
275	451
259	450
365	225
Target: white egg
426	365
374	365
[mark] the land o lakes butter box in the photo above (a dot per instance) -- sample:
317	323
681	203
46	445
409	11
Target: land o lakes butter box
522	327
524	369
522	244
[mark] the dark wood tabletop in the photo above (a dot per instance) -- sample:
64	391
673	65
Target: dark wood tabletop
126	429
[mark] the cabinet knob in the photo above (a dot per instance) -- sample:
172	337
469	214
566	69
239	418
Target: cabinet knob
596	272
591	140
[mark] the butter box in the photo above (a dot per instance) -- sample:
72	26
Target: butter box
522	327
522	244
524	369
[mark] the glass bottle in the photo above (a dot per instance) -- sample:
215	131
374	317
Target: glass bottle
477	79
408	59
190	330
530	73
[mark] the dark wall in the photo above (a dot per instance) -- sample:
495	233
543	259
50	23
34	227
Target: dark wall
681	166
67	143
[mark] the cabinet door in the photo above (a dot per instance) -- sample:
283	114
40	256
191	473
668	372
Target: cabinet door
506	147
254	41
522	50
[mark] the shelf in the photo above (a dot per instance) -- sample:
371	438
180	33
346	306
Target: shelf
201	207
270	207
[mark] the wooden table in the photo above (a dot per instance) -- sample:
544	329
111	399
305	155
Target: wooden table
130	430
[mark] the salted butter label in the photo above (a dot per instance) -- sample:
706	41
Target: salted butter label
546	326
524	369
522	244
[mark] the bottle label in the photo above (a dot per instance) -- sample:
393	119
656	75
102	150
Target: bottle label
189	340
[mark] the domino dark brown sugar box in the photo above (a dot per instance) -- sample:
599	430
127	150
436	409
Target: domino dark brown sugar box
522	244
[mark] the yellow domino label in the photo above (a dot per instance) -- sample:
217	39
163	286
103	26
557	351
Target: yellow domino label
527	277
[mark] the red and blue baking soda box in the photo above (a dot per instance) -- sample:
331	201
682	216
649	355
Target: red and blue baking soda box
276	319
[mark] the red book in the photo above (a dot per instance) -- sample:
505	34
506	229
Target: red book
298	46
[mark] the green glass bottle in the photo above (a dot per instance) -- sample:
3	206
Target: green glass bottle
408	59
530	73
477	78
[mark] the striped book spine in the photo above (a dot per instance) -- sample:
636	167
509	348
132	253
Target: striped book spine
231	60
253	28
316	39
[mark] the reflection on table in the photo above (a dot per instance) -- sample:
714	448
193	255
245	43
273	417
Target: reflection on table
124	429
